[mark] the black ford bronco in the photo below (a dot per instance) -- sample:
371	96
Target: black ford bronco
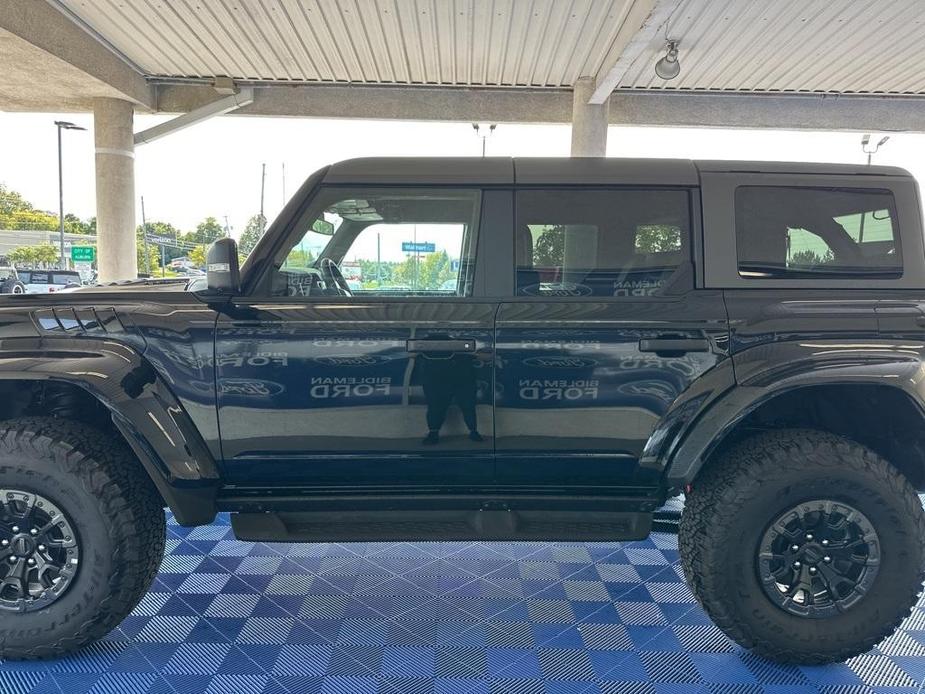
529	349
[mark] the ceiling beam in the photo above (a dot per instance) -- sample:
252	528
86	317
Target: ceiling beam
642	25
636	108
46	26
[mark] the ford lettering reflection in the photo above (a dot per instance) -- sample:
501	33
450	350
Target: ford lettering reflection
245	387
352	360
556	362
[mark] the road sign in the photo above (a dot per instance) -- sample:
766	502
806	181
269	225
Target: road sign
85	254
418	247
159	240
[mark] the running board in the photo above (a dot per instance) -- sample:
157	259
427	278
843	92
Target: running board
442	525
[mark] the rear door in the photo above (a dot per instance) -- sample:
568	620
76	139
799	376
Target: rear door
365	356
605	332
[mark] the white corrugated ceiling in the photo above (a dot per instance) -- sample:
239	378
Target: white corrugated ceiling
546	43
829	46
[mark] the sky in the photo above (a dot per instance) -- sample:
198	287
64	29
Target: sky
214	168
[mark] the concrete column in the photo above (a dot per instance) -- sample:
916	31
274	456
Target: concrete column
589	121
115	189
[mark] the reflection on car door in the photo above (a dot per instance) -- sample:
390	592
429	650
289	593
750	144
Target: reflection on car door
386	383
605	333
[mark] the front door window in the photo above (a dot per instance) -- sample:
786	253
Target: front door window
382	242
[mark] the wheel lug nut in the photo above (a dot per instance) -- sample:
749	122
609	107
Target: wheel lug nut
14	559
31	562
826	559
34	531
812	569
825	543
4	543
794	547
797	565
809	536
15	528
41	548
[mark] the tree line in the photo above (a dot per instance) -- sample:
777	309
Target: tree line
18	214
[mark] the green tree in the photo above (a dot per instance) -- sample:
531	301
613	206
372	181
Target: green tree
75	225
207	231
198	256
154	258
253	232
40	255
424	274
549	247
657	238
19	214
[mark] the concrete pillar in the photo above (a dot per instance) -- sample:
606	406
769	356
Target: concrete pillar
589	121
115	189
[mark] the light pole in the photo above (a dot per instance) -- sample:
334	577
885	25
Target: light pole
484	136
62	125
871	150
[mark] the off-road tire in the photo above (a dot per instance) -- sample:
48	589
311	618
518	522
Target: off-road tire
117	514
740	493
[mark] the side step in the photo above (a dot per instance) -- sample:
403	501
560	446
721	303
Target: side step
442	525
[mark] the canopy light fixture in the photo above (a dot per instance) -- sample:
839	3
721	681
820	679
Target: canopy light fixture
668	67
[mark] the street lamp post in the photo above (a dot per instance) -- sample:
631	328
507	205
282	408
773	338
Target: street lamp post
62	125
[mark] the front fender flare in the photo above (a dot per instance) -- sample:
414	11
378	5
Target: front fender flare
143	408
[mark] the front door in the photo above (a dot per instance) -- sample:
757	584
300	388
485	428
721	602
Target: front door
363	359
605	332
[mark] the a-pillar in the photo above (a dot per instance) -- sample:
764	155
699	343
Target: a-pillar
115	189
589	121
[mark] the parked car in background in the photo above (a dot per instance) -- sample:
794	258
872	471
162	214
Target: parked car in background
47	281
10	282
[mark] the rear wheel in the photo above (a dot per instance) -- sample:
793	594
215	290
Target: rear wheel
804	546
81	536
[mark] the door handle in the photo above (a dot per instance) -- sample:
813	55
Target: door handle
674	345
440	346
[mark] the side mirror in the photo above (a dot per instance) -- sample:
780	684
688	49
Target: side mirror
222	273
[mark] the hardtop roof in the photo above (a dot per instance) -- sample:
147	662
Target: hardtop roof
570	171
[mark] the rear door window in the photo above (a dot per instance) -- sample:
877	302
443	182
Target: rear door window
800	233
600	243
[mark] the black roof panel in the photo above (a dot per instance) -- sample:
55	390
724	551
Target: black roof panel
567	170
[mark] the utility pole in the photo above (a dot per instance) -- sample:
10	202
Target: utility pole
144	236
284	183
263	180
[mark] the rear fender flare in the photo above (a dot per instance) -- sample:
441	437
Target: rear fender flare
768	371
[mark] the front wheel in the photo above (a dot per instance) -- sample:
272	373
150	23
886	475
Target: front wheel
81	536
803	546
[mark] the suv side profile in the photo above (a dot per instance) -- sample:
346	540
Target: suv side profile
526	349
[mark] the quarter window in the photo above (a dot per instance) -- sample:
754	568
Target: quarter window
615	243
793	232
382	242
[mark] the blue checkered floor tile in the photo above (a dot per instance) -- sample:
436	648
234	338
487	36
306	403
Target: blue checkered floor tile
230	617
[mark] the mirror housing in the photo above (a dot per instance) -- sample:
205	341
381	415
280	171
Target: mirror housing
222	273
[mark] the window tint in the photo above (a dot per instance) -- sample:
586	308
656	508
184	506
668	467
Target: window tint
624	243
816	232
386	242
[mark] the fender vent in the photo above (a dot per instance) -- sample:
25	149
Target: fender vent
82	320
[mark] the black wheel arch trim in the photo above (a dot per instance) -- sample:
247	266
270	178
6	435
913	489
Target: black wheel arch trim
769	371
143	408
